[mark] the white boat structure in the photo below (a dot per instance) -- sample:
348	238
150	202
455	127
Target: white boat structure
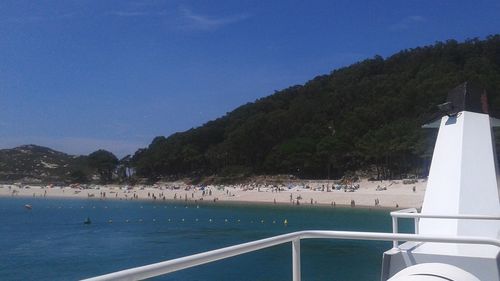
457	231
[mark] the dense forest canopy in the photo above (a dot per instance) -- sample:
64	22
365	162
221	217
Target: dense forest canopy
365	117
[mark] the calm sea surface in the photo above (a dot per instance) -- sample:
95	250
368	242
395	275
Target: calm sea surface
50	242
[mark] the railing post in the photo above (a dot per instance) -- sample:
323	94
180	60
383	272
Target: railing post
417	220
394	230
296	260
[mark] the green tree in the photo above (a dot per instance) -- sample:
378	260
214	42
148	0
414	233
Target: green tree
366	116
104	162
78	176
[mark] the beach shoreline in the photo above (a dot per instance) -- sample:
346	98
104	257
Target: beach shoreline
367	194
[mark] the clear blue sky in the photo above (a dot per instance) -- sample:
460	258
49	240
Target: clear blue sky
78	75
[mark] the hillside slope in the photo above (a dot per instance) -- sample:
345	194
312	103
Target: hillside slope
365	116
32	163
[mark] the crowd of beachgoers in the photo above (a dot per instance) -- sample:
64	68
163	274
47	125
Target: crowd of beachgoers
389	194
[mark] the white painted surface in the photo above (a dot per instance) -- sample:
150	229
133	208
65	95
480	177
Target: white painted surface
457	250
463	178
433	272
478	178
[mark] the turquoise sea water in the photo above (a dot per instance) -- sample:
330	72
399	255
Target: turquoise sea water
50	242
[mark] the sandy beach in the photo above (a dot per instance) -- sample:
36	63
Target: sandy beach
384	194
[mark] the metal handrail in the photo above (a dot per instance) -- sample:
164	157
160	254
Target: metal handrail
413	213
395	228
169	266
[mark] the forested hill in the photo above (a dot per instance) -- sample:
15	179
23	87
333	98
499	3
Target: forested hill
363	117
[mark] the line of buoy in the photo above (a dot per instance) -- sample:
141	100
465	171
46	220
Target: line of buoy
285	221
107	207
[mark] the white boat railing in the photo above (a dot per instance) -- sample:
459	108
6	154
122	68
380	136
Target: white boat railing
413	213
169	266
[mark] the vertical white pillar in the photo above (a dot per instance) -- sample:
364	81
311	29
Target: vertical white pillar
462	179
296	260
395	230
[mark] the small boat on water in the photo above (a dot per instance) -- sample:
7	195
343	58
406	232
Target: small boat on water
87	221
28	206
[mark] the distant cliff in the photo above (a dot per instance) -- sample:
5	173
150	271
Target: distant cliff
32	163
363	117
